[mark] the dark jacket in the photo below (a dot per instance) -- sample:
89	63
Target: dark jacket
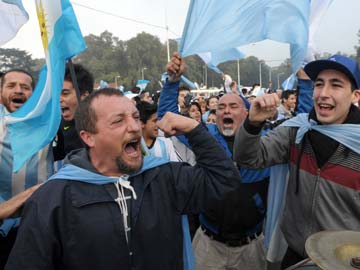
72	139
74	225
67	139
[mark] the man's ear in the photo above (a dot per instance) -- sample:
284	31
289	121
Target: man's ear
355	96
88	138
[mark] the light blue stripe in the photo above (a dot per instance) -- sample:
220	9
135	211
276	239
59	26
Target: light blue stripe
6	169
67	41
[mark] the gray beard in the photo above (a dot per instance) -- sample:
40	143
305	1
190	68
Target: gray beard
228	132
125	168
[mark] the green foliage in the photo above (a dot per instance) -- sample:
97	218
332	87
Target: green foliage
14	58
125	62
357	48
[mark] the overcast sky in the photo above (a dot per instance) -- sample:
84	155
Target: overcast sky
338	31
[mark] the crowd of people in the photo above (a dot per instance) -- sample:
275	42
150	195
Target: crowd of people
183	181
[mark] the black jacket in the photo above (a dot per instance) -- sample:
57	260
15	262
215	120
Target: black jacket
74	225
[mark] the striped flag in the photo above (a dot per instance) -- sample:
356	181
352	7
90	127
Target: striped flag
214	26
12	17
39	118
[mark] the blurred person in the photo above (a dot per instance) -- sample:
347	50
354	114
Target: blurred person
226	82
145	96
234	87
203	106
212	117
288	104
195	111
279	93
211	104
152	143
244	92
184	91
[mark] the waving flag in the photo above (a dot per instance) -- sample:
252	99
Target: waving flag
289	83
12	17
318	9
39	118
212	59
142	84
214	26
189	83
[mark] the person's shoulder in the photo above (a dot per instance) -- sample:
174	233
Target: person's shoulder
212	128
49	186
48	194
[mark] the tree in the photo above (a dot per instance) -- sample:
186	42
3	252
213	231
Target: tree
357	48
15	58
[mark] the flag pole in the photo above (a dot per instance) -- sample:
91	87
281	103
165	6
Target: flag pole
74	80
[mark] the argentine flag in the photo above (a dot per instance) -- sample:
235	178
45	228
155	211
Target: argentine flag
142	84
12	17
215	26
212	59
37	121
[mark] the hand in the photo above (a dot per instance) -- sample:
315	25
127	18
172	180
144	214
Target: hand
302	75
9	208
175	68
174	124
262	108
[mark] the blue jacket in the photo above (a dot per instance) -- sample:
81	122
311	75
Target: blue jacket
256	181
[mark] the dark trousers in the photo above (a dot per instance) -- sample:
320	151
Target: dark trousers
290	258
6	244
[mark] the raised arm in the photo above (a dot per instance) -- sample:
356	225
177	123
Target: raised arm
195	188
169	94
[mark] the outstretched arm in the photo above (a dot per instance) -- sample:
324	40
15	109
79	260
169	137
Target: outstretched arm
8	208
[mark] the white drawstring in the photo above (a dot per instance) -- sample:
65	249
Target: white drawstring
121	200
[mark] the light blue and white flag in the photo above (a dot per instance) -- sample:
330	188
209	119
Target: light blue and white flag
214	26
142	84
37	121
318	10
289	83
12	17
189	83
212	59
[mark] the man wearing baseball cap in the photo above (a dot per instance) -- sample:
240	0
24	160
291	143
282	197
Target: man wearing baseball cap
322	150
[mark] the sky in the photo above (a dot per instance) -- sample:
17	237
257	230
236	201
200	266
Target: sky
337	32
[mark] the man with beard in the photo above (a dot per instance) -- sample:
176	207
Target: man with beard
320	149
110	208
16	87
230	235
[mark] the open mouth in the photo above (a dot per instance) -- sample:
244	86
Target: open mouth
132	147
228	122
325	107
17	101
64	109
66	113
